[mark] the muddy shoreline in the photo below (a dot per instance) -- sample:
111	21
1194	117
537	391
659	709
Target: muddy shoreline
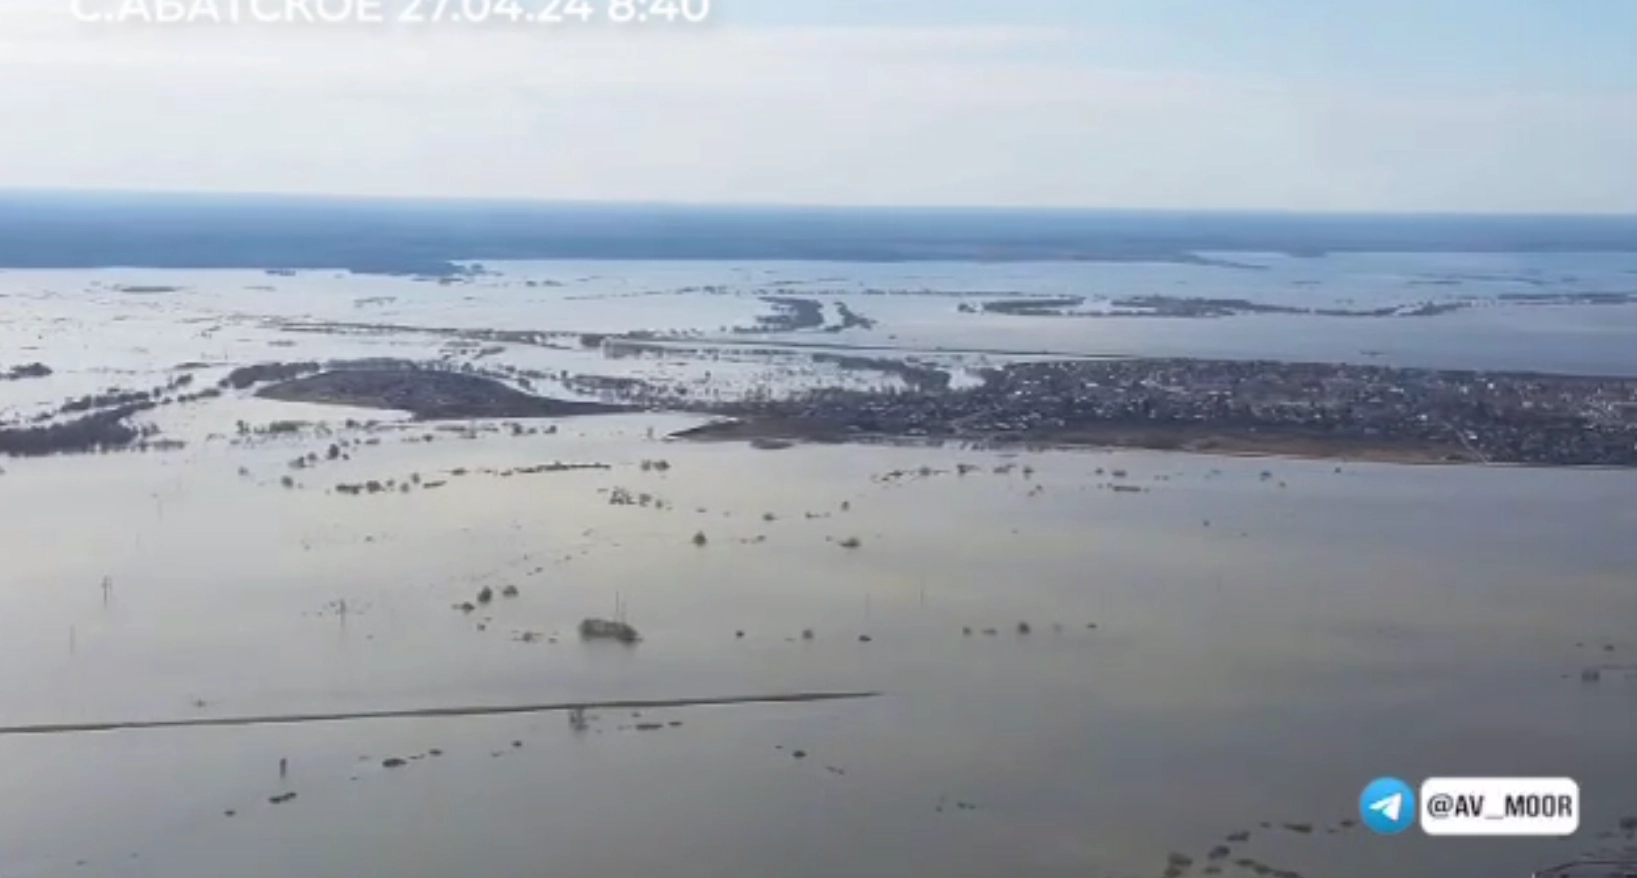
1212	440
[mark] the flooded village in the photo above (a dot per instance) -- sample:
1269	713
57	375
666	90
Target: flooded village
974	612
843	439
1304	409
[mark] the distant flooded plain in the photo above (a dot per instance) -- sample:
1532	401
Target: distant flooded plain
1123	664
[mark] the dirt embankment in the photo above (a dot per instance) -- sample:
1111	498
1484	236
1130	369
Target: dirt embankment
432	713
428	394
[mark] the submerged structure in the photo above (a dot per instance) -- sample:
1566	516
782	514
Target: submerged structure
608	629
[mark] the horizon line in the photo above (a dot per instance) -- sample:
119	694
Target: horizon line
518	201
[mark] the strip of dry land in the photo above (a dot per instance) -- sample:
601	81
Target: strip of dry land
432	713
773	432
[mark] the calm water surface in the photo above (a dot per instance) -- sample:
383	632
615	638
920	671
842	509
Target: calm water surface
1264	646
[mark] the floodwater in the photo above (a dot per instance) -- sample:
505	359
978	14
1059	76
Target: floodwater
90	323
1269	635
1323	629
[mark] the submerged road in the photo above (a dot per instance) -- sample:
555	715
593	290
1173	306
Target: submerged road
429	713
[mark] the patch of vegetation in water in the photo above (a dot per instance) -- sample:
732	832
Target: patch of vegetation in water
27	370
97	431
428	394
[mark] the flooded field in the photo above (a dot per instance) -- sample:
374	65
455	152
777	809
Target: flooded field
1213	651
1123	664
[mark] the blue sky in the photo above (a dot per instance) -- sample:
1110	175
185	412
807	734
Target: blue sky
1476	43
1335	105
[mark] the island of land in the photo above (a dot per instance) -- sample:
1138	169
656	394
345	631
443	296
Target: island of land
428	394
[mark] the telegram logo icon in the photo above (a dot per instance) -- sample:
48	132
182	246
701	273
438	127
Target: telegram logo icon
1387	806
